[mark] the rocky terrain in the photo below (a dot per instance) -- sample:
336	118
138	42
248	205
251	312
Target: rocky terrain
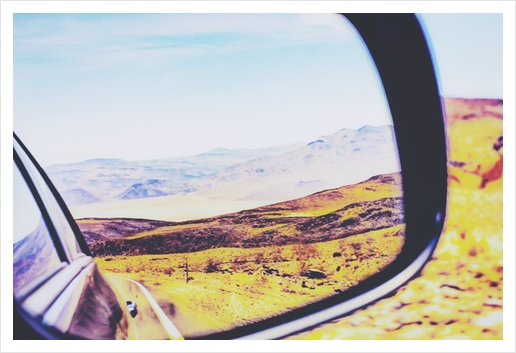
242	267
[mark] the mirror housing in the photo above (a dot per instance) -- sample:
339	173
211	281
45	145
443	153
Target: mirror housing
399	50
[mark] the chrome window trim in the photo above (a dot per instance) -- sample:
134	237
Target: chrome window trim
30	288
39	301
60	314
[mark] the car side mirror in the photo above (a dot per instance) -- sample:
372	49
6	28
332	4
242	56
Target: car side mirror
303	232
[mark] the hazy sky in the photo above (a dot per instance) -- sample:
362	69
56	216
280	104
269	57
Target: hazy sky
137	86
468	53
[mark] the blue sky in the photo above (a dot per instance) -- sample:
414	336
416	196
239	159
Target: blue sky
143	86
468	52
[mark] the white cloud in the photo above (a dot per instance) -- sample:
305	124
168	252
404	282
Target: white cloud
78	43
333	21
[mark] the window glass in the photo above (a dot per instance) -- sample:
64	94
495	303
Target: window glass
59	220
34	254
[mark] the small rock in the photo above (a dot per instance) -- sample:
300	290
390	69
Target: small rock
313	273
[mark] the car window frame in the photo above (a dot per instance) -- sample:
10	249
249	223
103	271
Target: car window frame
399	51
56	240
38	297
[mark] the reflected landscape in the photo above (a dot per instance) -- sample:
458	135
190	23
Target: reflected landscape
246	166
237	268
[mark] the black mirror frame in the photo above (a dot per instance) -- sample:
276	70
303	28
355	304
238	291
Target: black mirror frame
398	47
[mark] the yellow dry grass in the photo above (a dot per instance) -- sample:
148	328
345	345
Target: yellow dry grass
230	287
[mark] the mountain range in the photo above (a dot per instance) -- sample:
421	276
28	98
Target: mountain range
271	174
104	179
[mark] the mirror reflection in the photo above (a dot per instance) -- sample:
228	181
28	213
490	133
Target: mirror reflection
34	255
239	166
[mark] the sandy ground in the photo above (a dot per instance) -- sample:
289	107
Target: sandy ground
459	294
191	207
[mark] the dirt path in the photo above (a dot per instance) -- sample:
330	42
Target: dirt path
149	322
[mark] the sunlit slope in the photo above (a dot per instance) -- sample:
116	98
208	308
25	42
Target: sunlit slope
328	215
459	294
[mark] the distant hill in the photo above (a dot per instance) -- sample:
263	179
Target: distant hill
104	179
346	157
327	215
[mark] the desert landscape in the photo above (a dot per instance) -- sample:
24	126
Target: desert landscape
243	267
